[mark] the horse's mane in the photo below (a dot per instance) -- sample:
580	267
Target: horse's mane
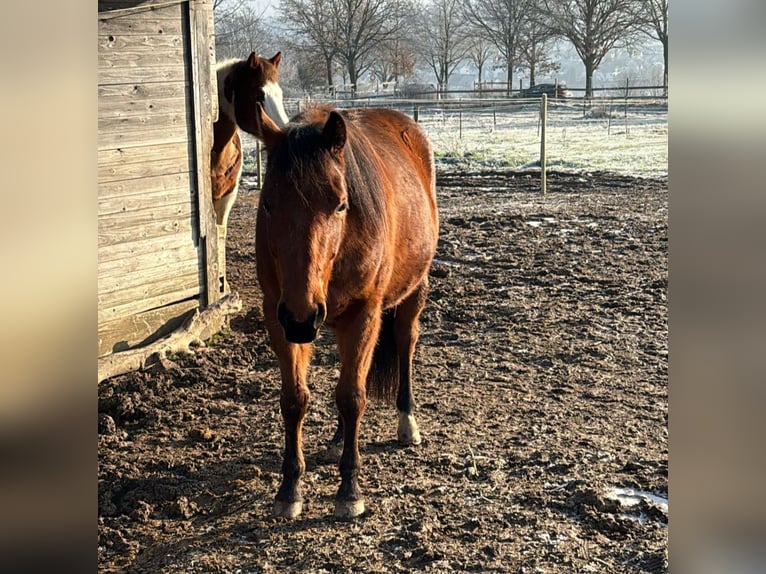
301	154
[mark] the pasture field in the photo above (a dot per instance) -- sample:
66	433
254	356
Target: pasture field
603	137
541	382
628	137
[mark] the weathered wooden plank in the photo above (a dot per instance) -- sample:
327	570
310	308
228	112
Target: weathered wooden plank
163	184
143	161
130	25
167	258
153	230
130	171
151	109
170	248
165	21
142	328
143	154
140	224
134	132
150	198
212	58
118	93
133	5
141	75
201	44
138	42
150	297
112	286
119	59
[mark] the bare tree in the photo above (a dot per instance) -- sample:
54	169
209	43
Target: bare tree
239	29
592	26
361	26
313	30
479	52
444	43
501	22
396	56
535	46
653	18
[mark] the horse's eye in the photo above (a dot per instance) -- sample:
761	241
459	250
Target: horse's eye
266	207
341	208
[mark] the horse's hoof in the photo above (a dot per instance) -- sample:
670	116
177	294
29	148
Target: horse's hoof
349	508
408	433
289	510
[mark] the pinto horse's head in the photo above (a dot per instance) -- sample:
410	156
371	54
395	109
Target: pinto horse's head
302	218
251	82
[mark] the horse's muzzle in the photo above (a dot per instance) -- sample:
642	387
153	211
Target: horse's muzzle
301	331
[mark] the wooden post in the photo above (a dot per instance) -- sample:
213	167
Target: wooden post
200	46
415	113
609	117
258	170
543	122
460	122
494	116
627	87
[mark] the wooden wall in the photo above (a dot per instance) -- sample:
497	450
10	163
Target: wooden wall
157	240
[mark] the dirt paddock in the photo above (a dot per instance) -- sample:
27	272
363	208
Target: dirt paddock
541	382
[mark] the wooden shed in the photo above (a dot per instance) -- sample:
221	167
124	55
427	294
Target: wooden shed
157	238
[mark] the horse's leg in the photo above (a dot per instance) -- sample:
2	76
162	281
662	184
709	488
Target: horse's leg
406	334
293	402
335	448
356	342
222	208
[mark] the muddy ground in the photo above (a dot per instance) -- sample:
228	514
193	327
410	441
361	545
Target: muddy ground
541	378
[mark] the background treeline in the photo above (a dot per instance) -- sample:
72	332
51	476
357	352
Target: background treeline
331	43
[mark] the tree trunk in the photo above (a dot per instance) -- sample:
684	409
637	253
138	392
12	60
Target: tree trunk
665	72
589	69
532	74
328	63
509	75
352	77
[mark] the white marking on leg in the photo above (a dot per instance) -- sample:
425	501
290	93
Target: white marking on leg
408	432
349	508
290	510
222	206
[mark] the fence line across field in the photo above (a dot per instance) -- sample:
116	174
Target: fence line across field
608	134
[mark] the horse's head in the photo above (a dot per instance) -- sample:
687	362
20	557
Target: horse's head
254	81
302	217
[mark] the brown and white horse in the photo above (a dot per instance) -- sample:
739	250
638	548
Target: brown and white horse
241	83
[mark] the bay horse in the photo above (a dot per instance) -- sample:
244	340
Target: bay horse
241	83
346	230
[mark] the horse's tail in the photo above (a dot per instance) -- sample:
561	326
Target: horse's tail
383	378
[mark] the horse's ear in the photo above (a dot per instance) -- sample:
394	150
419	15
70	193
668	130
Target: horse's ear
276	59
334	132
253	61
270	132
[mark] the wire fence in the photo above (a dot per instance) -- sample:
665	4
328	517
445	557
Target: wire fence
616	134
